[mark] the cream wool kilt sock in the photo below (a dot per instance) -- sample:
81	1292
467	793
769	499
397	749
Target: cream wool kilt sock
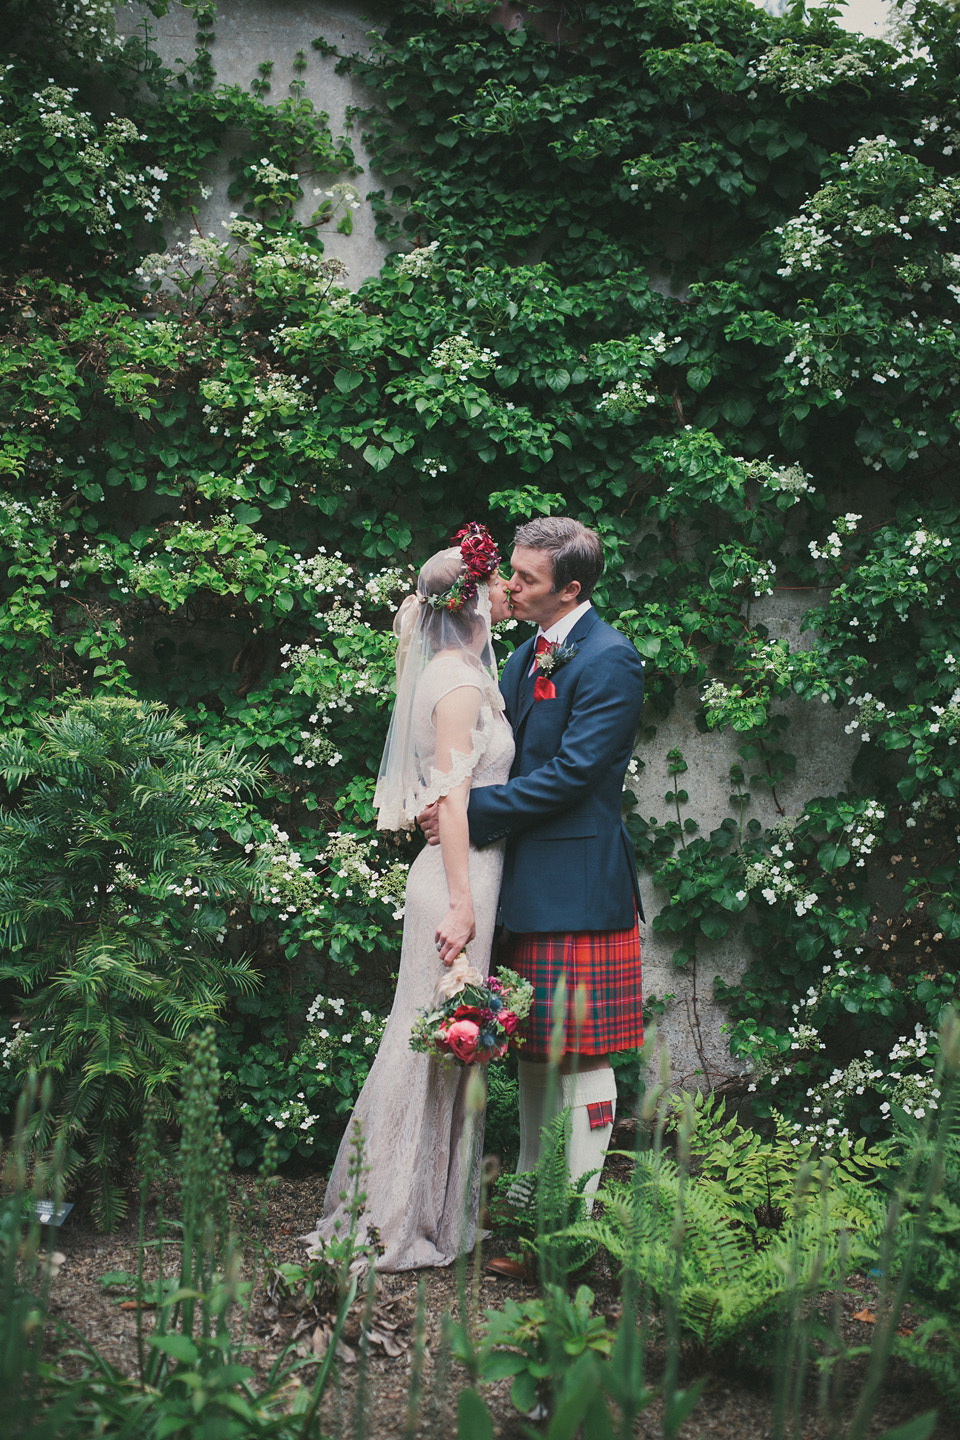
592	1098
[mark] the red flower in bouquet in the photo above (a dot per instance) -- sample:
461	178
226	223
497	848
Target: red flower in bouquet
472	1019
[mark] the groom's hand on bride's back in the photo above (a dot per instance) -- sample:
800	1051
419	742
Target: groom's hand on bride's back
429	823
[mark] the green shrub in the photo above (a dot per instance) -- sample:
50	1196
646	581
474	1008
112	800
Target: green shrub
114	889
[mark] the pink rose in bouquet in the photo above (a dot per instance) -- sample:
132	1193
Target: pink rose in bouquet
462	1038
472	1019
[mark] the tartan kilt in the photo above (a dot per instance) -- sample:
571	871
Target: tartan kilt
605	963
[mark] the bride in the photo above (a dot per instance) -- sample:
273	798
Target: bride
447	733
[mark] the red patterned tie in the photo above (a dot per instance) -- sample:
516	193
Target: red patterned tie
543	689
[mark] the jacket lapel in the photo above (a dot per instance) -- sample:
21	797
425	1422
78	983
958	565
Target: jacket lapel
514	695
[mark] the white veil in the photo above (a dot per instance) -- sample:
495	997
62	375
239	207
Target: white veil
460	643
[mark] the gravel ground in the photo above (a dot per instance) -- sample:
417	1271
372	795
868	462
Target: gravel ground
735	1405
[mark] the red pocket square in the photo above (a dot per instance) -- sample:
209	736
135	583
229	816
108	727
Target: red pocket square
544	689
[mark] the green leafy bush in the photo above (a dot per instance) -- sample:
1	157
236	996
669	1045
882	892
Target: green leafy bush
114	897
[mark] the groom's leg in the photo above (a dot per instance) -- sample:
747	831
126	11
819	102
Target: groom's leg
591	1094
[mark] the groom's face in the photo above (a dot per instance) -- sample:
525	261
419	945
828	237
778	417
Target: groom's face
532	596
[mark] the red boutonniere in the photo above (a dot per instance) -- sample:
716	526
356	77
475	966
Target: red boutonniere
548	662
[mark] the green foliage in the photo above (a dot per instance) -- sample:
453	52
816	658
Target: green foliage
501	1134
728	1279
193	1372
736	354
26	1274
290	1084
530	1336
114	897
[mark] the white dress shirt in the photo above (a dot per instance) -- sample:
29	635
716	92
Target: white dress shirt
559	631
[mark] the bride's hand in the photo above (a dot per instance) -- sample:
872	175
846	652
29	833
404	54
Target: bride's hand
455	930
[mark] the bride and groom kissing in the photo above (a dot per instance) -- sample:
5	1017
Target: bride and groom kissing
517	785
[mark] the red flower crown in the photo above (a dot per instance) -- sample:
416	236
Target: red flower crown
480	557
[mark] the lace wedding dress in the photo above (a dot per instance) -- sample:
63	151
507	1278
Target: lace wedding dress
422	1154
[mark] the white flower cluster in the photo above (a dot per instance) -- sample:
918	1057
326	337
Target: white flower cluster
716	695
98	158
915	1091
803	243
822	1115
11	1044
317	748
280	395
909	196
627	397
270	176
777	878
20	524
832	547
870	712
432	467
771	661
18	1049
946	719
807	69
861	832
285	255
318	1007
656	175
932	127
87	27
747	569
419	264
330	576
382	588
458	355
791	480
341	194
321	1052
924	544
285	882
352	859
294	1115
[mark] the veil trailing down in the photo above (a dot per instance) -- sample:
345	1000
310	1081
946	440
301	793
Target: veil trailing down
447	733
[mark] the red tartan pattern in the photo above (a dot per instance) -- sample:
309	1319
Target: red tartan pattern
606	964
600	1114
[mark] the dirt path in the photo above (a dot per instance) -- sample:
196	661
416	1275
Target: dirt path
734	1406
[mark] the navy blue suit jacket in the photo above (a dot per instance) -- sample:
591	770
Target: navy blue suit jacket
569	862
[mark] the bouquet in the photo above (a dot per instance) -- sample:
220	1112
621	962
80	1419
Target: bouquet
472	1019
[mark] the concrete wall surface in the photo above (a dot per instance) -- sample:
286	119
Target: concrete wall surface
249	32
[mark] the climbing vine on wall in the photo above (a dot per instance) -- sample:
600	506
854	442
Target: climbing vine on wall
691	272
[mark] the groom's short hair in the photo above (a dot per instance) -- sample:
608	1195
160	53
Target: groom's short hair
575	552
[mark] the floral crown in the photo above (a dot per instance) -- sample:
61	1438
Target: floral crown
480	558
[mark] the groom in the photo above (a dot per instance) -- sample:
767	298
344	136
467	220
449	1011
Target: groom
569	903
